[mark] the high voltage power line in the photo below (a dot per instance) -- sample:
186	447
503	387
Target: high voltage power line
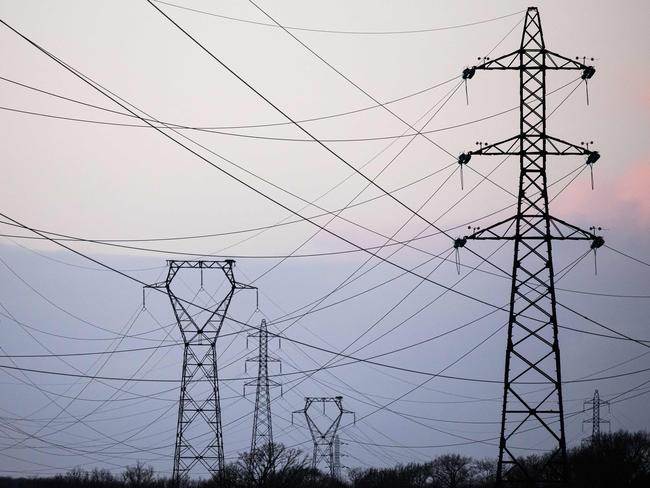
290	316
643	342
336	353
351	32
95	86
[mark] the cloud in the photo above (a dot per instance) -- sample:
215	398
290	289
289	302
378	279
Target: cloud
621	201
632	191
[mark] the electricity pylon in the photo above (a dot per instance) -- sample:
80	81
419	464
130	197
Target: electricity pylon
532	351
262	425
324	441
337	458
199	438
595	420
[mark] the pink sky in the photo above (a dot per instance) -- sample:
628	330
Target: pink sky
622	200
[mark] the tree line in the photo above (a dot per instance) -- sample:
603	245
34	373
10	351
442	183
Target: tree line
613	460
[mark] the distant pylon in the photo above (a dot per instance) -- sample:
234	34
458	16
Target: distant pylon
532	349
595	420
337	457
199	438
324	441
262	422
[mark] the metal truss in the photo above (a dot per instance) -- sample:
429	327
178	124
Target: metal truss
532	350
326	449
337	458
595	420
262	437
199	409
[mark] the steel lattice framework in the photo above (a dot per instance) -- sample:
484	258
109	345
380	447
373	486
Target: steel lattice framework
199	407
595	420
262	437
532	351
336	462
325	448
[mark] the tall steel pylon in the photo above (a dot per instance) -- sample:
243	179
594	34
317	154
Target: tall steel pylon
199	410
324	441
262	437
595	420
532	350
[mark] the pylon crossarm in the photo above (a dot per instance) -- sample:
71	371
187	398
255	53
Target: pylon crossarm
507	147
500	230
566	231
193	264
248	384
243	286
159	285
354	414
557	61
533	146
552	60
252	359
506	61
558	147
505	230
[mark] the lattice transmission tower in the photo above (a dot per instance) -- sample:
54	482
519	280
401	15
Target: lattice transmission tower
199	438
326	450
532	350
336	461
262	437
595	420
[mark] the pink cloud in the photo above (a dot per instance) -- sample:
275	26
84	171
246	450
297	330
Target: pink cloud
633	190
624	200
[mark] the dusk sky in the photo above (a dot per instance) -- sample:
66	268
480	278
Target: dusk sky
90	378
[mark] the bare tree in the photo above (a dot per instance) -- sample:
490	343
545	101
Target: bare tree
452	470
76	477
102	478
411	475
272	466
485	472
138	476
